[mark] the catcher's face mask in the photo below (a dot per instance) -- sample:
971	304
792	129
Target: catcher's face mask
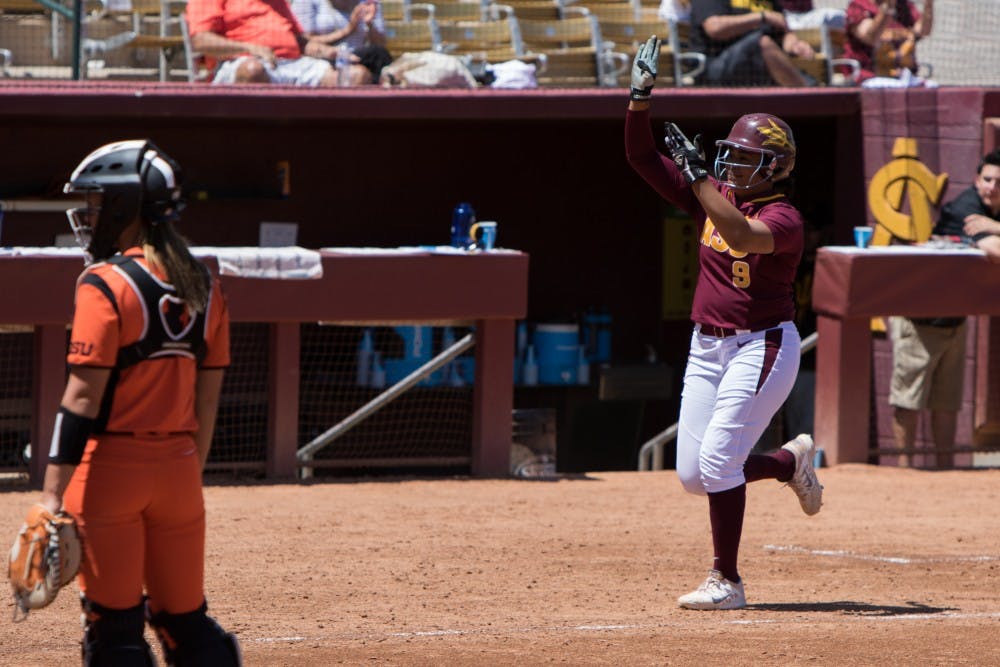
83	220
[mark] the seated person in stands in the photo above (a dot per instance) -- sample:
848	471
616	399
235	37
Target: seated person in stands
355	23
802	15
258	41
896	25
747	48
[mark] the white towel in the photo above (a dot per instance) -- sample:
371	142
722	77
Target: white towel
289	263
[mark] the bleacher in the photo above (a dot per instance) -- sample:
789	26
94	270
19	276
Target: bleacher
573	43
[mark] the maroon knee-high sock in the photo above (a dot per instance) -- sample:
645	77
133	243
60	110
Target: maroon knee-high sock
779	465
726	512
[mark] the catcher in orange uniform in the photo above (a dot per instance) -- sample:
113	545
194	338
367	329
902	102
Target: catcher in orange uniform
149	343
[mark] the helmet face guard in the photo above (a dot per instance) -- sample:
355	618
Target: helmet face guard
122	182
769	142
83	220
725	163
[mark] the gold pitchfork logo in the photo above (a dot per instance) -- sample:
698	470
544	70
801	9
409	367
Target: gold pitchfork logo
904	175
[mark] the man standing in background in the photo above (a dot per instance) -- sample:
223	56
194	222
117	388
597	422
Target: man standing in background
928	354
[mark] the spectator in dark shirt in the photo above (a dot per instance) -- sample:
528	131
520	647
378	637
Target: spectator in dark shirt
975	212
747	48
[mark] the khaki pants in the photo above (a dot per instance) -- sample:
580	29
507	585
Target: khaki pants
928	365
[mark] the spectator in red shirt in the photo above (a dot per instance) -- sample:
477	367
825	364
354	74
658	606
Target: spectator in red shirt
258	41
896	24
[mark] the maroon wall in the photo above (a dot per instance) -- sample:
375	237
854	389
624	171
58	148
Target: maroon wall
948	125
386	168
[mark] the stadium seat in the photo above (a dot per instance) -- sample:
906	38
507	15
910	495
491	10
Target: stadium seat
162	28
494	41
451	11
417	34
676	66
153	26
621	11
829	47
536	9
575	53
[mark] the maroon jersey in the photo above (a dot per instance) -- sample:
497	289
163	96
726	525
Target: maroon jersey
735	290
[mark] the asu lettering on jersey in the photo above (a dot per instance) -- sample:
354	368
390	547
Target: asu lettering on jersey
130	320
743	290
741	270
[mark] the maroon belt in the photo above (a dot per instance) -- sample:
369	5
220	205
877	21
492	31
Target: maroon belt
720	332
726	332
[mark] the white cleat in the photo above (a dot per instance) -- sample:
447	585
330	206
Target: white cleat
804	482
716	592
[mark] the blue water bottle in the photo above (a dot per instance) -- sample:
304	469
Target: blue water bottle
462	219
366	348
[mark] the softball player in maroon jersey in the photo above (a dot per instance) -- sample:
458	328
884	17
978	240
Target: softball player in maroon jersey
744	353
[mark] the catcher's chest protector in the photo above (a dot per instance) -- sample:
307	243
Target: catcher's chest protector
171	327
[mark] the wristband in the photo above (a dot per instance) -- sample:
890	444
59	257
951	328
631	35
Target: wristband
763	19
641	94
69	437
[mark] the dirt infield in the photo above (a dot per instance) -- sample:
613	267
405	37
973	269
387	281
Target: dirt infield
902	567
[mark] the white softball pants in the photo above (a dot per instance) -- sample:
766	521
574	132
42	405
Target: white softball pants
732	388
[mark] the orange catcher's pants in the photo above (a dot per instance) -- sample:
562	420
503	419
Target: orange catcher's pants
139	507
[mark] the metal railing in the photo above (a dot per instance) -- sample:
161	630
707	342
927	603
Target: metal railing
306	453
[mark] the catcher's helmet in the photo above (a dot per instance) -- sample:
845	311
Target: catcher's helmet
763	134
122	181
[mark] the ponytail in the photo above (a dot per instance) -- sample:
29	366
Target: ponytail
165	248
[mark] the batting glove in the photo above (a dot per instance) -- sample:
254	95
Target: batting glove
644	70
687	155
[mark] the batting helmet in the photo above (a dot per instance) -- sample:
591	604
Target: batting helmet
766	135
122	182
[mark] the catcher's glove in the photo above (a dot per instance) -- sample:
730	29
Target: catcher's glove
44	558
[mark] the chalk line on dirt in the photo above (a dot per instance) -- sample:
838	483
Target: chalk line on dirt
493	630
899	560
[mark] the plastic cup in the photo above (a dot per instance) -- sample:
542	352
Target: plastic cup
484	233
862	236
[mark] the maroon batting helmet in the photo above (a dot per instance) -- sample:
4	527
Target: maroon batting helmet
763	134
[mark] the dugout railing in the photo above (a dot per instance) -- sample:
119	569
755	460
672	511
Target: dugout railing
293	375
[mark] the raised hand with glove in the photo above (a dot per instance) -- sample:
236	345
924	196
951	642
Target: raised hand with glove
687	155
644	70
45	557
